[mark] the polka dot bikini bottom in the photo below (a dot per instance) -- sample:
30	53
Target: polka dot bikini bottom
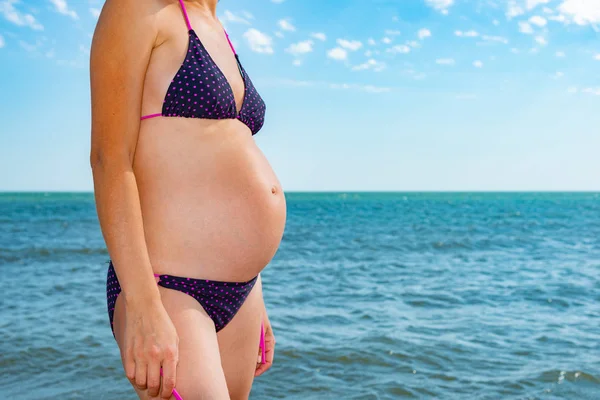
221	300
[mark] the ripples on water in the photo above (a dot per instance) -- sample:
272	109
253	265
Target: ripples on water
371	296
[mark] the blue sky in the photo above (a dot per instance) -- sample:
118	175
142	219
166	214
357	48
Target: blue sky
361	95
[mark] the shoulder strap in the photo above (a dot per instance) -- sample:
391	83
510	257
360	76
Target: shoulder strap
230	45
187	19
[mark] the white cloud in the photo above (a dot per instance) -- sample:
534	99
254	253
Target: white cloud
297	62
477	64
95	12
228	16
525	27
559	54
75	63
279	34
445	61
440	5
247	15
582	12
258	41
319	36
364	88
498	39
590	90
11	14
558	18
597	57
391	32
371	42
340	86
374	89
350	44
572	89
531	4
1	41
337	54
300	47
414	74
537	20
292	82
30	48
541	40
399	49
286	25
63	8
413	43
558	75
373	64
386	40
424	33
514	10
466	34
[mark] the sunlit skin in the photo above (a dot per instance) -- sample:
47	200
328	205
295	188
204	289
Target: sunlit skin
180	196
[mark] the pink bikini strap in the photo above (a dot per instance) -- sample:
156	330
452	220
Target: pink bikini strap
151	116
187	19
230	45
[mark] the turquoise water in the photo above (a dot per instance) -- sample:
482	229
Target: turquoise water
371	296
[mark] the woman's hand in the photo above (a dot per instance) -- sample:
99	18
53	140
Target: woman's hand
150	342
269	347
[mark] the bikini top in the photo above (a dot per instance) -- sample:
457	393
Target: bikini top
201	90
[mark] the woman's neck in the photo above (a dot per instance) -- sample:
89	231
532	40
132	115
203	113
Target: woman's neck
208	7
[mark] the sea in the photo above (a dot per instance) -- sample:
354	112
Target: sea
386	295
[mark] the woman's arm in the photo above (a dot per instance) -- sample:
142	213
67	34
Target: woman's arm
120	53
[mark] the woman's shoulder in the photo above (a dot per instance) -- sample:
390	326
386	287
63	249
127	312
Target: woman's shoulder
137	14
139	22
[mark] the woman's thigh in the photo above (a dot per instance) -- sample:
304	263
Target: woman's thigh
199	371
238	345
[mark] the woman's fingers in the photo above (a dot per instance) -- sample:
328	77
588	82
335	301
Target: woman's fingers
261	368
153	345
169	378
270	349
269	352
154	375
269	343
129	363
141	370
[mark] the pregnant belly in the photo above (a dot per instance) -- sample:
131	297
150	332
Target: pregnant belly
211	204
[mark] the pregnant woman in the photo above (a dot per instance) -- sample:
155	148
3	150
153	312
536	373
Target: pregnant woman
189	207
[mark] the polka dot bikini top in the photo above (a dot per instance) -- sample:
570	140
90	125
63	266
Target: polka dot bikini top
201	90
